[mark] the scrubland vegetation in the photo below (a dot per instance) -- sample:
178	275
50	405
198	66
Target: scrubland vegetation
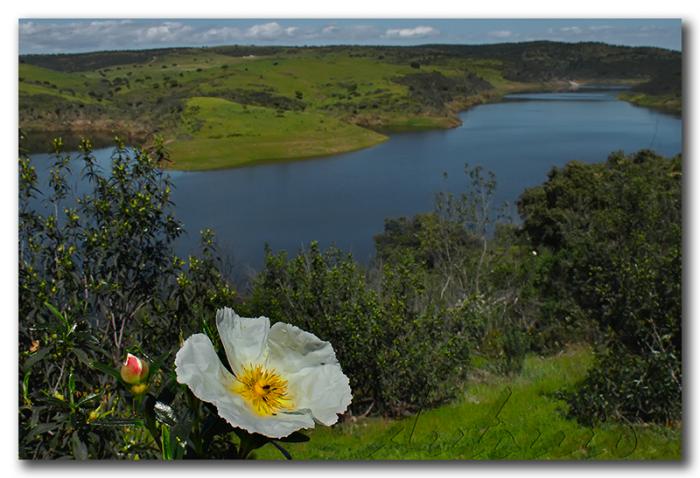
470	335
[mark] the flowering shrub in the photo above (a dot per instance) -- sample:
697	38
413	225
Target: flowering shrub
98	278
281	379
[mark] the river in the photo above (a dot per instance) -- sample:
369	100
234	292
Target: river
344	199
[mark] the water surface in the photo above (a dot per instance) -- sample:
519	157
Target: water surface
344	199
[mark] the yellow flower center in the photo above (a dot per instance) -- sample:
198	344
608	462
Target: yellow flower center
264	390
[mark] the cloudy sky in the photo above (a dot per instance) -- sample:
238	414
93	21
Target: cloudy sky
65	35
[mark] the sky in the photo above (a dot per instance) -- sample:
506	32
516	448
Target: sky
81	35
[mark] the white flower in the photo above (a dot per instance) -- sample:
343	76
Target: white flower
283	378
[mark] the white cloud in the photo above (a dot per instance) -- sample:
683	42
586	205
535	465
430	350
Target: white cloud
166	32
270	31
57	36
501	34
330	29
333	32
81	35
416	32
221	34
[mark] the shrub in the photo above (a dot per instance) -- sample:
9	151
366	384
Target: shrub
97	278
399	354
474	263
614	234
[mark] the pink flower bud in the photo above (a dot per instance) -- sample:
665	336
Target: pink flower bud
134	370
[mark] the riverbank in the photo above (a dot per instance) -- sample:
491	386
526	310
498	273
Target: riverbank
217	133
289	203
664	103
220	134
227	107
312	101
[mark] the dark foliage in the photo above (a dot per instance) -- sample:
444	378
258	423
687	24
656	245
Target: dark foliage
611	235
97	278
260	98
525	61
95	60
400	352
435	90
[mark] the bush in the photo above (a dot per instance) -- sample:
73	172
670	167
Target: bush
626	385
399	354
98	278
474	263
614	234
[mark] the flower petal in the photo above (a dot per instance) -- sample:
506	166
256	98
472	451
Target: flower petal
316	381
198	366
292	349
244	339
276	426
324	390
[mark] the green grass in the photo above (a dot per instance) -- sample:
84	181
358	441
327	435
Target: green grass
497	419
72	87
217	133
31	89
668	103
349	100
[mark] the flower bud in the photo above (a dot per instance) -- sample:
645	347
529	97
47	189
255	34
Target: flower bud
134	370
139	389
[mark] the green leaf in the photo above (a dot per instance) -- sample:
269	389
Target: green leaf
25	389
87	399
39	430
149	414
166	447
35	357
296	437
81	356
106	369
79	448
71	387
58	314
118	422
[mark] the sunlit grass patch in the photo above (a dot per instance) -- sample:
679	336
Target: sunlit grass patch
517	418
217	133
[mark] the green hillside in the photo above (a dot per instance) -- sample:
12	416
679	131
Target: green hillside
304	102
234	134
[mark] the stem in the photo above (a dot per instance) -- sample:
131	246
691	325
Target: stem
244	448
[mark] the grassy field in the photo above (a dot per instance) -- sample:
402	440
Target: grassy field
670	103
235	134
497	418
219	111
221	108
